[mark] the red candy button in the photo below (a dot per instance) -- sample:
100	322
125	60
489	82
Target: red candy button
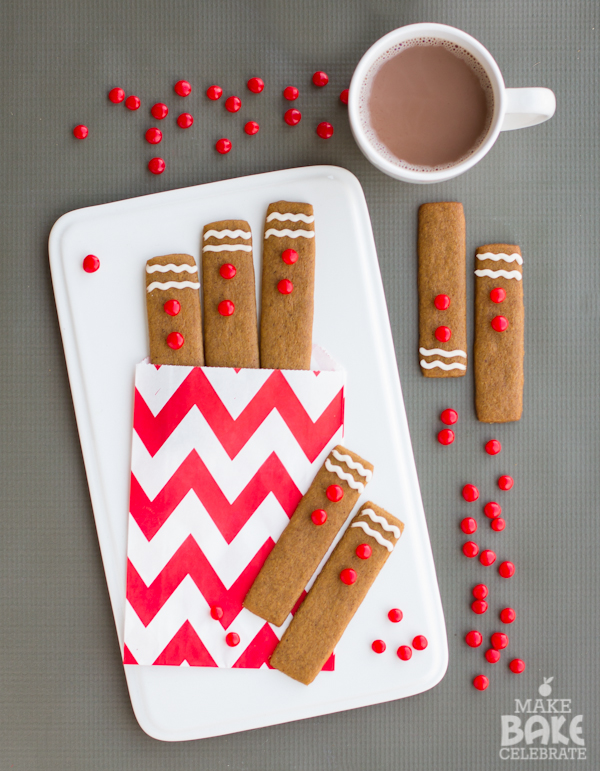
442	302
216	612
80	132
319	517
481	682
404	652
285	286
505	482
214	92
492	656
153	136
251	128
185	120
479	606
320	79
182	88
172	307
443	334
289	256
159	111
378	646
470	493
348	576
446	436
395	615
116	95
325	130
492	510
363	551
468	525
344	96
133	103
473	639
449	417
499	640
506	569
487	557
493	447
498	524
232	639
226	308
420	642
480	592
256	85
498	295
500	323
227	270
223	146
517	666
334	493
233	103
91	263
175	340
292	117
290	93
470	549
156	165
507	615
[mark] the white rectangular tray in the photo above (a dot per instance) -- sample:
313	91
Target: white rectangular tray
103	323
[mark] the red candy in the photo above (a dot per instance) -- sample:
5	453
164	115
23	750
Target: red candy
470	493
468	525
507	615
159	111
481	682
442	302
214	92
395	615
175	340
80	132
185	120
290	93
420	642
334	493
363	551
116	95
182	88
473	639
154	136
292	117
446	436
505	482
498	524
443	334
216	612
256	85
233	103
320	79
325	130
285	286
289	256
319	517
499	640
493	447
156	165
506	569
470	549
226	308
133	103
492	656
498	295
378	646
404	652
223	146
479	606
227	270
91	263
172	307
480	592
232	639
449	417
344	96
499	323
251	128
487	557
348	576
492	510
517	666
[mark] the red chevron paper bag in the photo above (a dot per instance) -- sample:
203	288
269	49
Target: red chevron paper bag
220	460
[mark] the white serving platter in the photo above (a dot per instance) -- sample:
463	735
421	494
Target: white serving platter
103	323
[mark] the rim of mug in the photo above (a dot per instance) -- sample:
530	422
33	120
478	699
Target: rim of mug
440	32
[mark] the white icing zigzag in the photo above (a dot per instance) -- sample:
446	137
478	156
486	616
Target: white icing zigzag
227	248
375	534
173	285
290	233
496	273
275	215
501	257
440	352
354	465
442	365
383	522
227	233
345	476
171	268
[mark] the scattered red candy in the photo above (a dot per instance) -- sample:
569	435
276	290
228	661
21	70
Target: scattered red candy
227	270
507	615
175	340
80	132
487	557
289	256
480	592
116	95
493	447
443	334
214	92
492	655
348	576
442	302
473	639
256	85
404	652
449	417
506	569
378	646
159	111
499	640
446	436
156	165
251	128
292	117
344	96
395	615
481	682
226	308
420	642
319	517
285	286
470	493
334	493
470	549
172	307
505	482
325	130
91	263
498	295
133	103
216	612
492	509
517	666
232	639
153	136
320	79
468	525
233	103
498	524
363	551
479	606
499	323
185	120
290	93
182	88
223	146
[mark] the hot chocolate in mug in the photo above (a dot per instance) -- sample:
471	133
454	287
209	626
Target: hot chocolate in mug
428	101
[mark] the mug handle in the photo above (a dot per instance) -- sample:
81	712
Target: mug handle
527	107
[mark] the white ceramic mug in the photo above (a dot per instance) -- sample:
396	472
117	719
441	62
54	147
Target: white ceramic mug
513	107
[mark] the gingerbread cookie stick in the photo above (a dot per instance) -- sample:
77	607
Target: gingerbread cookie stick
499	331
288	277
334	598
310	532
230	325
173	306
442	290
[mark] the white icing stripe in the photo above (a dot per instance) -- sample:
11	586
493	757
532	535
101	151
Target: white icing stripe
442	365
496	273
227	233
382	521
345	476
501	257
170	268
290	233
374	534
173	285
227	248
440	352
275	215
354	465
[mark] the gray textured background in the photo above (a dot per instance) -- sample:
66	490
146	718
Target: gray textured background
63	698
